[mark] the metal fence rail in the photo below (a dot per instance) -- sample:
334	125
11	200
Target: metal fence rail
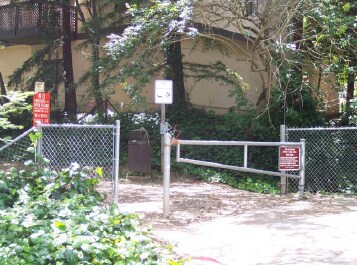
331	158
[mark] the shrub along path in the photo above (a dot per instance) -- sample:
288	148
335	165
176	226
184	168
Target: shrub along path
212	223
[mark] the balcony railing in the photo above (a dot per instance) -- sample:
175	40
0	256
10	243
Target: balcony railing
20	22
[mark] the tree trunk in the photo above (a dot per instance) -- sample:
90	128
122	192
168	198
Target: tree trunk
297	38
350	87
267	78
70	105
2	85
95	80
2	89
95	59
174	72
351	78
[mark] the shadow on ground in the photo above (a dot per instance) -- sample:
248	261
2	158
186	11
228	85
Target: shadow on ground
238	227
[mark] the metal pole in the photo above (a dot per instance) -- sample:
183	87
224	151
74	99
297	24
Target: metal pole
166	178
246	156
283	180
302	169
38	151
178	150
116	162
163	118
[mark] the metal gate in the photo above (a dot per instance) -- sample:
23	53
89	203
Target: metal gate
244	168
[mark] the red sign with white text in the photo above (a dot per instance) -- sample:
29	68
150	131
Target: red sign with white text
41	107
289	158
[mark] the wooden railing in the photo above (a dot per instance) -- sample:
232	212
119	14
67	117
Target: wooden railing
26	15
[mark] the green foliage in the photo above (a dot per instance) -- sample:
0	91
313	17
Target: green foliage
98	18
15	114
253	183
260	184
352	118
330	34
132	121
196	124
23	78
223	75
58	218
15	104
294	101
192	123
139	49
297	109
189	123
8	188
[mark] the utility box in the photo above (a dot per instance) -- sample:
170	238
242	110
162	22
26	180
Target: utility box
139	151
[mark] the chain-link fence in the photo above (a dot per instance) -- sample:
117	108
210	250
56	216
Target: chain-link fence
87	145
331	158
16	151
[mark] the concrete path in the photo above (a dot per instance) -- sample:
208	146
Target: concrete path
232	240
215	224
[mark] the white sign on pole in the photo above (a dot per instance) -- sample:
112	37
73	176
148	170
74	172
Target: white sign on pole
163	91
40	87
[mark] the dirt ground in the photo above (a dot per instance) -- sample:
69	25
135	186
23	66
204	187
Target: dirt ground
215	224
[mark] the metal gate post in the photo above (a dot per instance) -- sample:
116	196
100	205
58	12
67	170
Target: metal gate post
116	161
245	156
302	169
166	177
283	180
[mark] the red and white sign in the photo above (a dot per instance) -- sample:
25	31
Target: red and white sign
289	158
41	107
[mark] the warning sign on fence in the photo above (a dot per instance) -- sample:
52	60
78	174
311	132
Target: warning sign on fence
41	107
289	158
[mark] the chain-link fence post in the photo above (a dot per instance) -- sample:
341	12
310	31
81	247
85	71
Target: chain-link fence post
116	162
302	169
38	148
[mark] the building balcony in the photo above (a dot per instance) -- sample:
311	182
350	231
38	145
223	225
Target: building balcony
28	22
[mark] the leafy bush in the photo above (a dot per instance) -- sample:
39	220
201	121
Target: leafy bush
51	217
197	124
192	123
15	113
132	121
244	181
